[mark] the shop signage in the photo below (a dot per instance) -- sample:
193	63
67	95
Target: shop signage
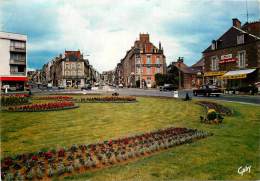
224	57
227	58
217	73
239	76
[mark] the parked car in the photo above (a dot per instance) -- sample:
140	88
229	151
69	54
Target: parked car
207	90
61	87
168	87
120	86
86	87
49	85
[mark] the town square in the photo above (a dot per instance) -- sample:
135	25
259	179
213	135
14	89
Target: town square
141	90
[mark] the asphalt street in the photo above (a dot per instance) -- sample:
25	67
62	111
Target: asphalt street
246	99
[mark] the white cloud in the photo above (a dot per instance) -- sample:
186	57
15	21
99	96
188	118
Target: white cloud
106	29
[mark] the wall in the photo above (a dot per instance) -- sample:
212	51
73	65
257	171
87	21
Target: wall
5	57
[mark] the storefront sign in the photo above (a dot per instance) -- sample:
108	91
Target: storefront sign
224	57
218	73
239	76
228	60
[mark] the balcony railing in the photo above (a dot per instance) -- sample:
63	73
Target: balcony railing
17	49
17	73
18	62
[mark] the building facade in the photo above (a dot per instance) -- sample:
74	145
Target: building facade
233	60
13	54
69	70
187	76
141	63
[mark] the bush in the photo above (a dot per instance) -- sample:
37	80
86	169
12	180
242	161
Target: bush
212	114
14	100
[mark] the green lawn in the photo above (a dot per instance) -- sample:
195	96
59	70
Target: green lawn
235	143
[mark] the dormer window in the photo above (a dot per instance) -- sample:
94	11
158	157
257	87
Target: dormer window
240	39
213	45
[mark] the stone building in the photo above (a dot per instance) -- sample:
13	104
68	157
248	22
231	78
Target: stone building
71	70
233	60
141	63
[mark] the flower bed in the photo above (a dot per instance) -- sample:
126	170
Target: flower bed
80	158
14	99
118	99
217	107
53	98
52	106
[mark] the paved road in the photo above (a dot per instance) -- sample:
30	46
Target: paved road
154	92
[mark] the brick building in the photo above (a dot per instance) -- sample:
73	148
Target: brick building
233	60
142	62
188	75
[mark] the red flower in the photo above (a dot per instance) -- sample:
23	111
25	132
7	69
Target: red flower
34	158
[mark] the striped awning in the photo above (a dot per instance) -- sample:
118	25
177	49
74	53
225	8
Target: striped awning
237	74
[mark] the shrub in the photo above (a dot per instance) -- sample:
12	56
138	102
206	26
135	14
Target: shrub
11	100
211	115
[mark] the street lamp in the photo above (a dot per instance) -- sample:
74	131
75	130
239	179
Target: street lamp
179	65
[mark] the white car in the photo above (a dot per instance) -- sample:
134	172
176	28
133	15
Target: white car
120	86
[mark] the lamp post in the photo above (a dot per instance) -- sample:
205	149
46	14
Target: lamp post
179	65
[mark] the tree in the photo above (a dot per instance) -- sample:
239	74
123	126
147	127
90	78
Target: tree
160	79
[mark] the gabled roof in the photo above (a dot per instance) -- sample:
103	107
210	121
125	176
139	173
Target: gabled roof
183	67
229	38
199	63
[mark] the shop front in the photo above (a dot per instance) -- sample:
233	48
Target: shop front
214	78
13	83
240	80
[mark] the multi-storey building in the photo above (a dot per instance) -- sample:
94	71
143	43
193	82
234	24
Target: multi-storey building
142	62
119	74
233	60
70	70
108	77
13	60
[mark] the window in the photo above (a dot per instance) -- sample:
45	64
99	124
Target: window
240	39
148	78
79	72
158	70
148	70
158	60
148	60
18	44
242	59
73	66
214	63
67	66
79	65
17	57
67	73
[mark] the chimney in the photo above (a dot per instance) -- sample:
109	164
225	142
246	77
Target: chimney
144	37
236	23
180	60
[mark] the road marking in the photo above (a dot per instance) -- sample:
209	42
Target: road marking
243	102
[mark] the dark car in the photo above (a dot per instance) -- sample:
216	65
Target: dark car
86	87
168	87
207	90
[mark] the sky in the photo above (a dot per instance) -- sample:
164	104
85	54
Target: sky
104	30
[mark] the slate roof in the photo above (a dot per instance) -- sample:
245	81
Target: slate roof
229	38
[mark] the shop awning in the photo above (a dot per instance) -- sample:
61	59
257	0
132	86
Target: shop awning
237	74
22	79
